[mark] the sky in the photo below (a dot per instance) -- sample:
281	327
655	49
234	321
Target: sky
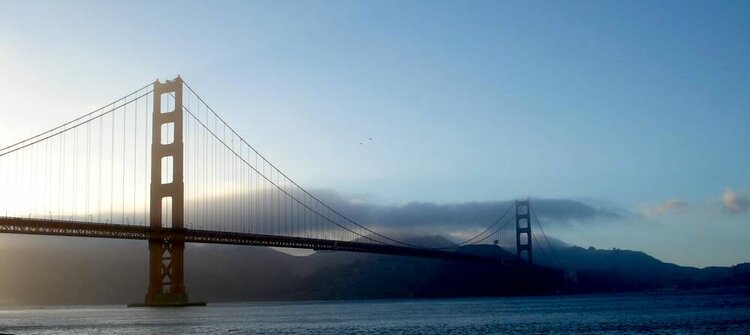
635	107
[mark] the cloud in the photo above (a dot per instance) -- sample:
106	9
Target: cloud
735	202
456	217
565	211
670	205
269	212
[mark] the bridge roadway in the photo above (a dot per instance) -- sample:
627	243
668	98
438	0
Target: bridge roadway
119	231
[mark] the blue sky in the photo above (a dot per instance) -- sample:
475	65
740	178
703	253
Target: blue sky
639	106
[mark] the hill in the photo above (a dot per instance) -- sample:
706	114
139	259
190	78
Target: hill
79	271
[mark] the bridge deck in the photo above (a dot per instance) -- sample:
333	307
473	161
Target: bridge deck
119	231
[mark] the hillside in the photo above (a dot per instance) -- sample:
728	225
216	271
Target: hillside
78	271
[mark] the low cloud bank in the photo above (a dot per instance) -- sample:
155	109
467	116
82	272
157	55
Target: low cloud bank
453	217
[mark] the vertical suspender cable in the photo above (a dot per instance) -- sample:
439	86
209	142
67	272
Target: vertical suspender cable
135	154
88	164
146	176
46	179
75	173
99	174
112	172
32	183
124	140
61	175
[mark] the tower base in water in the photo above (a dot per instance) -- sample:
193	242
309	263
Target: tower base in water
186	304
167	300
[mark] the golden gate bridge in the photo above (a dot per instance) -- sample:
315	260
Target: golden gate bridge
160	165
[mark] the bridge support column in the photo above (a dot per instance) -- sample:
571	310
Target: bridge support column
523	230
166	255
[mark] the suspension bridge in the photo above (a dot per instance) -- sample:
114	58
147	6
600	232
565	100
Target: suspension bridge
160	165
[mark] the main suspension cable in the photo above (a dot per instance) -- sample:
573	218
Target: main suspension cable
2	153
279	172
539	224
14	149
